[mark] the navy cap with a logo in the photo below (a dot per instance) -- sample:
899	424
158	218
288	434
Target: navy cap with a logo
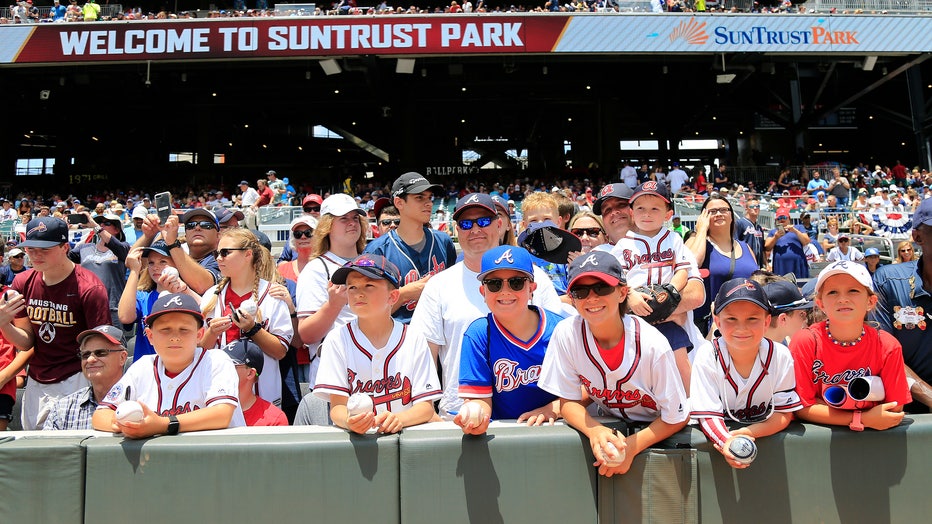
741	289
175	303
784	295
598	264
44	232
480	200
113	334
247	353
369	265
652	188
620	191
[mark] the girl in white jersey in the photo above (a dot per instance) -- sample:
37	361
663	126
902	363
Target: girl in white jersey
625	366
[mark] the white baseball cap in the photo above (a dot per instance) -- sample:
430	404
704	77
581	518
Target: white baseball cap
844	267
140	212
339	205
306	220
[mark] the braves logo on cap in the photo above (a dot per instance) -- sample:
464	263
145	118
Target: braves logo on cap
175	301
606	190
843	264
649	186
506	256
744	285
590	260
38	229
474	199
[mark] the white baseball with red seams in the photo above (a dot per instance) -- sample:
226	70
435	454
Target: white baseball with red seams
743	449
170	271
471	413
358	403
611	457
249	306
129	411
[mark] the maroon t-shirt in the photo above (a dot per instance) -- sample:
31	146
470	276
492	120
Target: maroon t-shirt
58	313
265	197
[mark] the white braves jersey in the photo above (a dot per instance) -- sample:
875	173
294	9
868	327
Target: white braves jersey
645	386
451	302
278	322
209	380
395	376
654	260
717	390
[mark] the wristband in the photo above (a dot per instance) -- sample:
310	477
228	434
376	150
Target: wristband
856	424
173	245
98	229
173	425
294	315
252	331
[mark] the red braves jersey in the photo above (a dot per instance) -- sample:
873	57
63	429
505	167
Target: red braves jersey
208	380
820	362
58	313
717	390
654	260
395	376
645	386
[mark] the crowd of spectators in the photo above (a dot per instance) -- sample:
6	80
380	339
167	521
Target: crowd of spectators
25	12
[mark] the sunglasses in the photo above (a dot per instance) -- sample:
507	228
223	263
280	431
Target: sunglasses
225	252
753	207
204	224
844	240
467	223
495	284
901	251
601	289
311	209
18	256
99	353
591	231
304	233
390	221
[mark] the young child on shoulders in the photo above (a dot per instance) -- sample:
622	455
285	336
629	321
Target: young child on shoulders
836	358
653	254
182	387
617	360
376	355
503	351
742	376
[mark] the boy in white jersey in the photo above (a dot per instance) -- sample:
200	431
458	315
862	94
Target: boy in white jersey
376	355
653	254
180	388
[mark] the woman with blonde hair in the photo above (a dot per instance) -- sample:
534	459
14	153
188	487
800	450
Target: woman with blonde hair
590	230
905	252
243	305
830	237
340	237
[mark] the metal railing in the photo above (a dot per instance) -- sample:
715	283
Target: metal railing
107	11
870	6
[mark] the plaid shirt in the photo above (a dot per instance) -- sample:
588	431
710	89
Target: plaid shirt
73	411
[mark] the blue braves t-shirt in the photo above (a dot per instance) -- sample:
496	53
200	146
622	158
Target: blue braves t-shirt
495	362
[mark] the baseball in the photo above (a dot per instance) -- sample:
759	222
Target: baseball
611	457
471	413
129	411
170	271
743	449
358	403
248	306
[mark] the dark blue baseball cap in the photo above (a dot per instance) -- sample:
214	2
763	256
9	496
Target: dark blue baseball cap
620	190
369	265
480	200
175	303
45	232
741	289
651	188
923	215
599	264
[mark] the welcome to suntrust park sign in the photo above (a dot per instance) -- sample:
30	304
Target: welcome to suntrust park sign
461	35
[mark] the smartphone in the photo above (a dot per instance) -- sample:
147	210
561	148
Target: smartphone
77	218
163	205
781	228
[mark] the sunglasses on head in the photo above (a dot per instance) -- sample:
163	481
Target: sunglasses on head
311	209
467	223
303	233
591	231
495	284
601	289
99	353
204	224
390	221
225	252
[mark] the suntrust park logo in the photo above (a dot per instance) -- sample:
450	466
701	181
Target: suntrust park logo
694	32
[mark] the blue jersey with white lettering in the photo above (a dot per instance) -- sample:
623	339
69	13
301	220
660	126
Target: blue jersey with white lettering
438	254
494	363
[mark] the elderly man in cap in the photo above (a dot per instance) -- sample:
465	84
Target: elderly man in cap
63	299
103	356
904	309
418	251
17	264
195	258
451	300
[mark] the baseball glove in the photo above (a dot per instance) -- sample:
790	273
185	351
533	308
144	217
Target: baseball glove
663	301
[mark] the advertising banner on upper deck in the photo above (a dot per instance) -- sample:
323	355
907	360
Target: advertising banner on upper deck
460	35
